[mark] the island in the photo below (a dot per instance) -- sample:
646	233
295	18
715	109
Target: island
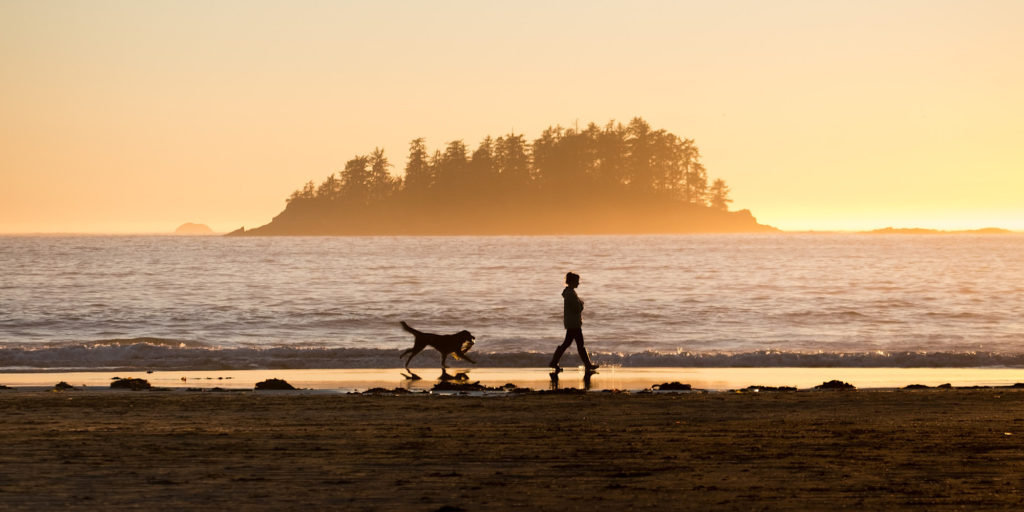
610	179
923	231
191	228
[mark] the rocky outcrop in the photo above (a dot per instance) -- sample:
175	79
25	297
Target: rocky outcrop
274	385
130	383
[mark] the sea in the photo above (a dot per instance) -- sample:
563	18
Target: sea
745	300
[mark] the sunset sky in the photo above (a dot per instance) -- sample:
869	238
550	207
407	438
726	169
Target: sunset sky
128	117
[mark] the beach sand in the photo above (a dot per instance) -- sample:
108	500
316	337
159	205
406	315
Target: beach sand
178	450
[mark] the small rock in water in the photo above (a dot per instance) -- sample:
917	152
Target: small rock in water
835	384
274	384
63	386
672	386
382	391
915	386
131	383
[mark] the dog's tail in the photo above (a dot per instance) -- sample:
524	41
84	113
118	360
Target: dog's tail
410	329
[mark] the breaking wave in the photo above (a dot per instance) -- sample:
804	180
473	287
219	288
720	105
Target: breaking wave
169	354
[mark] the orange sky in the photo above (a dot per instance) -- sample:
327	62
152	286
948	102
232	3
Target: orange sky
140	116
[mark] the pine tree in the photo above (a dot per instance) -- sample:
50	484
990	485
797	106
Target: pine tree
380	183
418	177
719	195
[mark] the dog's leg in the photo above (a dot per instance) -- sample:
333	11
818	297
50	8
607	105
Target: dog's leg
415	350
464	356
444	362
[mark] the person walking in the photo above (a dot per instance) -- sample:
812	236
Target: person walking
573	320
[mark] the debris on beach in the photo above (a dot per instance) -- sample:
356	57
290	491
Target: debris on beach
63	386
274	384
512	388
916	386
382	391
447	385
765	389
562	391
130	383
5	387
672	386
835	384
450	508
214	390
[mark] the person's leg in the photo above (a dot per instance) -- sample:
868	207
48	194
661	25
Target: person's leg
561	349
578	336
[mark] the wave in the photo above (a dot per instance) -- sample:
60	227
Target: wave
163	354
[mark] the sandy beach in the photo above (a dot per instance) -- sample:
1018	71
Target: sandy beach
808	450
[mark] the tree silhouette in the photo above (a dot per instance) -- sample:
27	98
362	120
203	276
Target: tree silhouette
355	178
719	194
512	157
418	177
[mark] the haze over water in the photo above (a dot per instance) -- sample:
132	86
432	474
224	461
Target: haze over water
740	294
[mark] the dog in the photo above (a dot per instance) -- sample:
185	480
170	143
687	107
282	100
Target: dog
447	344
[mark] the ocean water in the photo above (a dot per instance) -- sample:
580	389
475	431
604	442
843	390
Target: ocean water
683	300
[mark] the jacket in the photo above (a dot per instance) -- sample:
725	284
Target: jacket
573	317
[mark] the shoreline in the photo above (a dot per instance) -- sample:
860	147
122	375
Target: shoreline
871	450
607	379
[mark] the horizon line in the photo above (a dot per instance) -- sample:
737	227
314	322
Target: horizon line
780	231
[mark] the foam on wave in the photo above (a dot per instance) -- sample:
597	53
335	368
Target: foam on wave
162	354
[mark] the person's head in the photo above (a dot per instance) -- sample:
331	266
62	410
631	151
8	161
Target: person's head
572	279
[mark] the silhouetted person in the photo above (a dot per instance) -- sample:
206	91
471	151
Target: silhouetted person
573	319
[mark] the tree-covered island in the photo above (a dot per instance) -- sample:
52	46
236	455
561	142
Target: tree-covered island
602	179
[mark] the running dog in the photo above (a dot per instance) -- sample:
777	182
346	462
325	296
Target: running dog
447	344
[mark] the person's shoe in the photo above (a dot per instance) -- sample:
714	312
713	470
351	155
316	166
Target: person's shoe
593	367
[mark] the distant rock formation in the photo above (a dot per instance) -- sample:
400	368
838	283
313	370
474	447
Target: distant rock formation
190	228
238	232
922	231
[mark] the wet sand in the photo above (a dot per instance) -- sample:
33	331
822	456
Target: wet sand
610	378
921	450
